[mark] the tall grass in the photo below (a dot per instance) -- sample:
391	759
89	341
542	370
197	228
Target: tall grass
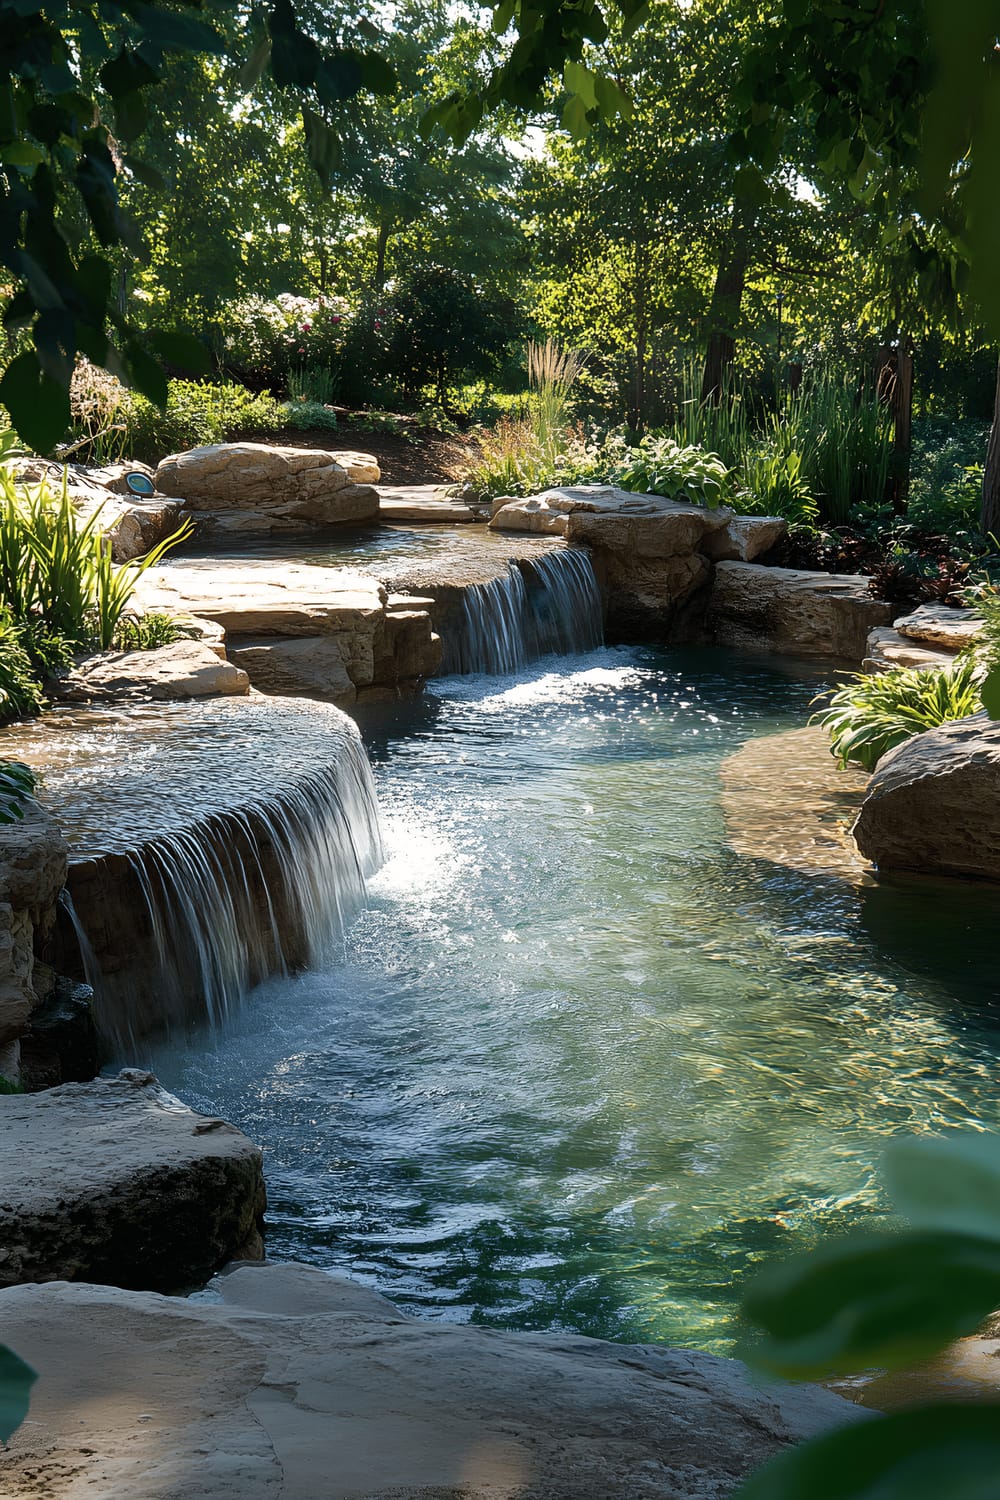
60	592
552	372
845	439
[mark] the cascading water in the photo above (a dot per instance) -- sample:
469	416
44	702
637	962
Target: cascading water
551	603
212	846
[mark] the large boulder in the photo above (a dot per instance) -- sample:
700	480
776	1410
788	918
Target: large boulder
298	1383
117	1181
941	625
650	553
792	610
264	487
933	803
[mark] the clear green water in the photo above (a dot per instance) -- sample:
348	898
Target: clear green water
581	1066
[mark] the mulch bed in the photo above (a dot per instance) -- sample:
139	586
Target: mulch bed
420	458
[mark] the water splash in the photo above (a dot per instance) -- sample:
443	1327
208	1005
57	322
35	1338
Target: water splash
540	605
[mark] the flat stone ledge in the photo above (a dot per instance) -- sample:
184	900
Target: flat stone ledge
794	610
941	625
422	503
183	669
303	1385
887	648
116	1181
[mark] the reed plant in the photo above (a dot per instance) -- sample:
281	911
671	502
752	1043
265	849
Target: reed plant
845	439
552	373
60	591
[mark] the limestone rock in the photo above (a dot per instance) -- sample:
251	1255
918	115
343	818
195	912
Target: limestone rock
112	476
790	609
933	803
941	625
132	526
421	503
282	599
117	1181
288	486
182	669
302	1384
887	648
33	864
312	665
746	538
60	1044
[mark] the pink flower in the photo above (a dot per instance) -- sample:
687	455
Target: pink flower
335	320
306	327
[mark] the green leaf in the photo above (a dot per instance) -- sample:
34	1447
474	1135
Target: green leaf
38	405
322	143
990	693
16	1380
126	73
176	31
253	69
947	1183
21	154
574	117
378	76
181	349
929	1453
580	80
338	77
146	173
875	1300
146	374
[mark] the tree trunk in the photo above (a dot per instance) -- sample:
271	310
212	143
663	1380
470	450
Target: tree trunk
640	306
384	231
724	309
989	521
894	388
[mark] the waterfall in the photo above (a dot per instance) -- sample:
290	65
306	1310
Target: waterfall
550	603
181	924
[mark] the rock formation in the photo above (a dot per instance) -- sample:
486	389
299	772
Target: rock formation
799	612
117	1181
305	1385
933	803
259	487
33	863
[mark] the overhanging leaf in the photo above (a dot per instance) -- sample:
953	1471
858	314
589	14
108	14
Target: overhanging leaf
16	1380
38	405
928	1453
181	349
875	1300
990	693
951	1184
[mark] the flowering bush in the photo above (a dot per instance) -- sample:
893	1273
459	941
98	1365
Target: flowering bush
265	340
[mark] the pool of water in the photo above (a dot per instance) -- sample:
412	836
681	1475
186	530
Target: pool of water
580	1065
387	551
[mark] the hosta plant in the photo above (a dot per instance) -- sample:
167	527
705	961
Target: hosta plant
873	712
659	466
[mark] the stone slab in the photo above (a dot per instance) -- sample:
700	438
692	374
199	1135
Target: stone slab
303	1386
263	598
793	610
422	503
117	1181
183	669
887	648
941	625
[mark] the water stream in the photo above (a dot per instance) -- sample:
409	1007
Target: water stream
550	604
578	1064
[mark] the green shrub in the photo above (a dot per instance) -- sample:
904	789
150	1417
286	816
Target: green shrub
145	632
946	475
195	415
17	783
873	712
772	483
659	467
308	416
20	691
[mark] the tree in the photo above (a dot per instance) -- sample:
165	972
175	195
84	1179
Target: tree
66	140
